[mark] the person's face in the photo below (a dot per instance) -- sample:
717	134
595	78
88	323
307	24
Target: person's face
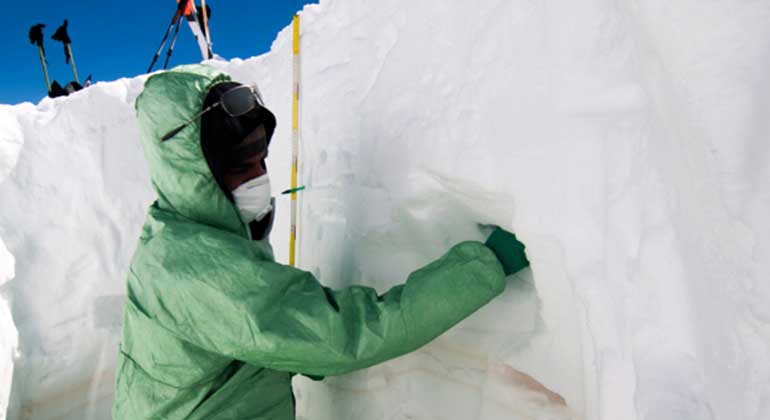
248	169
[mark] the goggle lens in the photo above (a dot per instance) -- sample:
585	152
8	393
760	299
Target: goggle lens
240	100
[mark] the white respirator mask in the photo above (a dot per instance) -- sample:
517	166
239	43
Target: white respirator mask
252	198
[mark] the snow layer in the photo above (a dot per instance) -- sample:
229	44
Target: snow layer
8	334
10	145
73	207
624	142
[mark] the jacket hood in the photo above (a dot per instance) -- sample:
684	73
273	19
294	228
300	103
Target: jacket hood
178	169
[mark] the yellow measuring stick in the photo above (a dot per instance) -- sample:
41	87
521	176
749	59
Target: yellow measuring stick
294	144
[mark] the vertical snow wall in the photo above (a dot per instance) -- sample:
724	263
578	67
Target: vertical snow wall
625	142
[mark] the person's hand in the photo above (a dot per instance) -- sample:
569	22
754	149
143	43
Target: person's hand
508	250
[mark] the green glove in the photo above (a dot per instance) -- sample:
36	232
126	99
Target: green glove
508	250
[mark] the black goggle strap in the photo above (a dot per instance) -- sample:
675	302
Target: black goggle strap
175	131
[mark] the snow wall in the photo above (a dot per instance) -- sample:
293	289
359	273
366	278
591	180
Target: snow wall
624	142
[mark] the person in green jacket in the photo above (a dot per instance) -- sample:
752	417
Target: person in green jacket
215	328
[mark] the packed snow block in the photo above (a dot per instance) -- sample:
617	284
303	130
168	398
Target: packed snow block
8	335
626	147
11	136
10	145
73	204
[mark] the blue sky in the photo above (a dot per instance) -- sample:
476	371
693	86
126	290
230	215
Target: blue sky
114	39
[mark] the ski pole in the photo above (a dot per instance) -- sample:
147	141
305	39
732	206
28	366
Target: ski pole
72	62
205	22
173	42
175	19
196	27
45	69
36	37
62	36
162	44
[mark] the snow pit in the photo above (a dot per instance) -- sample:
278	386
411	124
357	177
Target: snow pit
625	144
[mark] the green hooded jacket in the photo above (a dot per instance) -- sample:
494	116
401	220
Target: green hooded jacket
214	328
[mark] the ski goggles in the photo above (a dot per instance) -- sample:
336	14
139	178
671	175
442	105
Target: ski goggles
236	102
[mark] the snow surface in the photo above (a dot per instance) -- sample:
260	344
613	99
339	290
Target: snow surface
624	142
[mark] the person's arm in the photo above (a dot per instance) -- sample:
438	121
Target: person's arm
282	318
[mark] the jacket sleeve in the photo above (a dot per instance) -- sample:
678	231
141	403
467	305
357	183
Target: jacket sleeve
282	318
